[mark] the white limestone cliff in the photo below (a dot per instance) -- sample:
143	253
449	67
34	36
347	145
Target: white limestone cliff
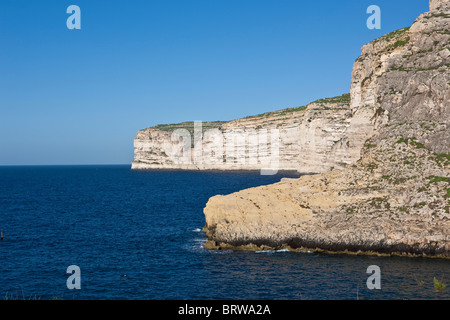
324	135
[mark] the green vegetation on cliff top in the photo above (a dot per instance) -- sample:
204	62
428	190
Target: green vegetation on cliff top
189	125
393	35
341	100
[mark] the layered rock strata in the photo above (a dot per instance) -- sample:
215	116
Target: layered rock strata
311	139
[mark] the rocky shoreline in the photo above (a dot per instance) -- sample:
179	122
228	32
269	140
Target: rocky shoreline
378	251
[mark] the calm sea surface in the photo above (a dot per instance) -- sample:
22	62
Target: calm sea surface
136	235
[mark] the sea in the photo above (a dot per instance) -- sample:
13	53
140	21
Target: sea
137	235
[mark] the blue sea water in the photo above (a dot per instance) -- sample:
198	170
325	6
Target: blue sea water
137	235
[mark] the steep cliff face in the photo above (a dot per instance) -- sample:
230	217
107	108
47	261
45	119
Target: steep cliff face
404	76
396	197
311	139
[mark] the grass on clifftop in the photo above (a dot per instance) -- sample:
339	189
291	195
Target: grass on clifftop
343	99
189	125
392	35
397	34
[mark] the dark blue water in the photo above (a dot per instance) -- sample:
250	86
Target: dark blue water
111	222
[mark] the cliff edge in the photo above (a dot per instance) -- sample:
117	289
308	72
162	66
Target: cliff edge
395	198
315	138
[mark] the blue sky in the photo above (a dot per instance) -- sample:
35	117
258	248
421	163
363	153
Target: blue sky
80	96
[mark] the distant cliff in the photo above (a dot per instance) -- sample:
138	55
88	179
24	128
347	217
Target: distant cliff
395	197
315	138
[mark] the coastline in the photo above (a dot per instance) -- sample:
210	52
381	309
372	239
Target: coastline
286	172
212	245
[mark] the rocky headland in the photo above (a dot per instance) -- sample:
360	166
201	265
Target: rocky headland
380	157
384	182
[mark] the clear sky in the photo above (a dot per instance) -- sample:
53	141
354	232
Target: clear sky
80	96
